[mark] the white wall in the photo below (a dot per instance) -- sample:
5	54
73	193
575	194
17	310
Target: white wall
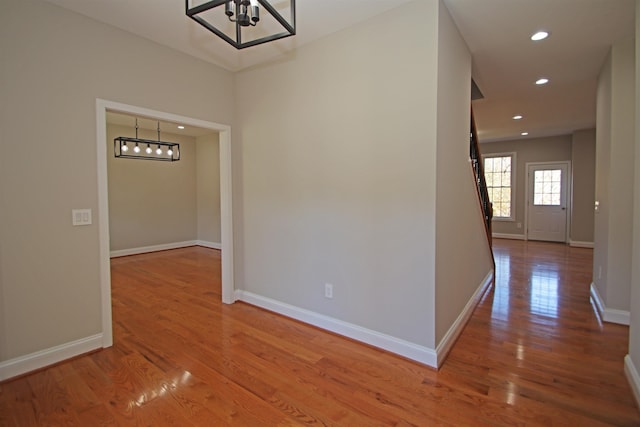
337	156
614	178
55	64
463	257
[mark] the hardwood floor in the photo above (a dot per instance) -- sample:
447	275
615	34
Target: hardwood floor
533	353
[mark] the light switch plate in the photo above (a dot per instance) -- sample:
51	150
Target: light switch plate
81	216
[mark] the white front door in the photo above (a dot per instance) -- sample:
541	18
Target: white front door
547	201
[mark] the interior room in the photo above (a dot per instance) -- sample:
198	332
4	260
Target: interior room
317	244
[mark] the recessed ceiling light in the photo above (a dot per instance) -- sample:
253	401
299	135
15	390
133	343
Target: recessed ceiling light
542	81
524	133
180	127
540	35
517	117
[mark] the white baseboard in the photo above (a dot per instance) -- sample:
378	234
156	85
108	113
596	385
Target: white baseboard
449	339
578	244
211	245
507	236
633	377
40	359
611	315
154	248
395	345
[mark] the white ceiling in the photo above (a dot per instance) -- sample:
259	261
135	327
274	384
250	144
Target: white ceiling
505	62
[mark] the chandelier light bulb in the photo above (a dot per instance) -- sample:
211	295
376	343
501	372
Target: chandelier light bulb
158	150
136	149
148	149
125	148
169	152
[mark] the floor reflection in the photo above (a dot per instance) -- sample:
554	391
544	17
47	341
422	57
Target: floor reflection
500	308
544	292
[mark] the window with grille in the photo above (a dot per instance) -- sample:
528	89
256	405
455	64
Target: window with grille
546	187
498	173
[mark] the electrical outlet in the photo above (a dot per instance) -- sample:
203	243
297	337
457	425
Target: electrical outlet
328	290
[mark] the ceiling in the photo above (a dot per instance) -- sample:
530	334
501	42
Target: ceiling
128	120
506	62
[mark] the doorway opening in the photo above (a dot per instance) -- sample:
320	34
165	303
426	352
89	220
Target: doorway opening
226	229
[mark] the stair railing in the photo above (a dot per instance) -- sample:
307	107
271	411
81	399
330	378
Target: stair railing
481	184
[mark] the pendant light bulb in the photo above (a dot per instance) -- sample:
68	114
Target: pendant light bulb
159	150
169	152
136	149
125	148
148	149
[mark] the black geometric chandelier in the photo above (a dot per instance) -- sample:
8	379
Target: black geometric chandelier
146	149
245	23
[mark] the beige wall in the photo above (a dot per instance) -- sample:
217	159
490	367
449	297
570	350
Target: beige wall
54	65
463	258
338	174
343	189
549	149
583	177
614	177
150	202
634	330
208	188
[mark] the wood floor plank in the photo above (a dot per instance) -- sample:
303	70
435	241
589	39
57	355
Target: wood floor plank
533	353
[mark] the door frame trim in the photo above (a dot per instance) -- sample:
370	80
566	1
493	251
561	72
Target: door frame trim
226	223
569	200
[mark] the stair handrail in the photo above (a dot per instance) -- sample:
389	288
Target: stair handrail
481	184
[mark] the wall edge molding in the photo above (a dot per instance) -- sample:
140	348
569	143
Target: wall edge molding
40	359
633	377
579	244
210	245
153	248
386	342
508	236
611	315
444	346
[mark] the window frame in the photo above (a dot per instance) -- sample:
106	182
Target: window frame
512	155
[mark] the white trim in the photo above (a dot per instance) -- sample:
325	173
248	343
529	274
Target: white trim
507	236
40	359
154	248
395	345
103	222
578	244
449	339
210	245
514	182
633	377
226	216
164	247
611	315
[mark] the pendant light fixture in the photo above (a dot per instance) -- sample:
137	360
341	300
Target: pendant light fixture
129	148
245	23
